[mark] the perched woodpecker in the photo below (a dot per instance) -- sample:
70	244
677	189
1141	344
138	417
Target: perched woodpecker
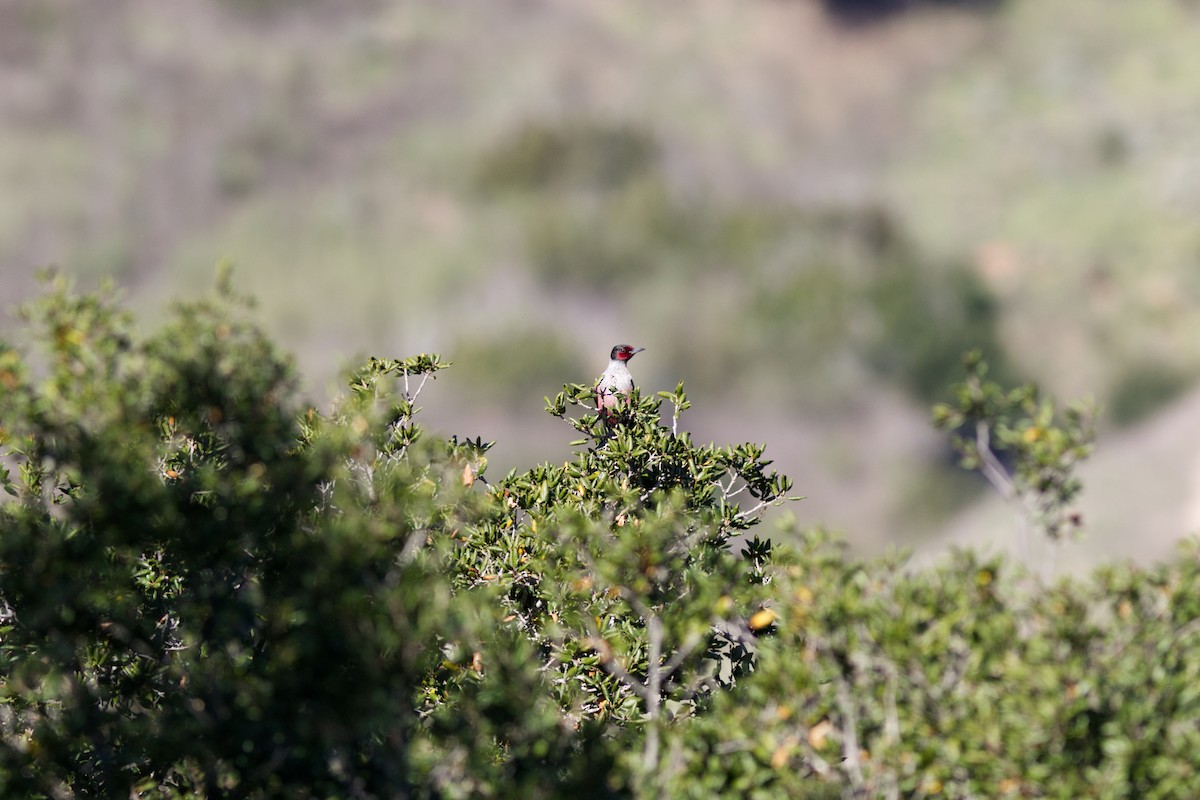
616	380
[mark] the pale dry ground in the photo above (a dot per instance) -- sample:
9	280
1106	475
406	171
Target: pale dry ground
1141	497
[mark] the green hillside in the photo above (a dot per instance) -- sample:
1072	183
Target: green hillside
807	220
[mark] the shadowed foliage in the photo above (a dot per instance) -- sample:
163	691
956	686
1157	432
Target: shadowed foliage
209	590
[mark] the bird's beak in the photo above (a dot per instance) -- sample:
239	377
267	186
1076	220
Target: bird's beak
637	350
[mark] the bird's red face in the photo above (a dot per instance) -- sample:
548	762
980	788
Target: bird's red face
624	352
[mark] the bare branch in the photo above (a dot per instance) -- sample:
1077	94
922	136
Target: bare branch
850	746
653	698
750	512
424	379
998	477
686	649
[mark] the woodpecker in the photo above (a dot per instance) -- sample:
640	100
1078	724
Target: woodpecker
616	380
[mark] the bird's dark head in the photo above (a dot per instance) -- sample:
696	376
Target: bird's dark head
624	352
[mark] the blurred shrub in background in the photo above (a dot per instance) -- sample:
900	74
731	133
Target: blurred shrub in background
505	365
926	319
783	291
873	10
1145	387
576	153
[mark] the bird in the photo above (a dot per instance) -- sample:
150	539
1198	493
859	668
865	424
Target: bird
616	380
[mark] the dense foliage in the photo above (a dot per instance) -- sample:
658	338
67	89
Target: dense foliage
209	590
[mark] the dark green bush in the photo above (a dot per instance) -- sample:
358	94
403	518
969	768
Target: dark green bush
612	239
510	366
927	320
208	597
208	590
581	154
1144	388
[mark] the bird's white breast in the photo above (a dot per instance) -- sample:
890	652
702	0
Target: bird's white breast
617	379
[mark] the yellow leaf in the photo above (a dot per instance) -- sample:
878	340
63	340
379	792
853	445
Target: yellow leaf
1009	785
763	618
818	733
779	758
67	335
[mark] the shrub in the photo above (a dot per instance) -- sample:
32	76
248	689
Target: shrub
541	155
205	597
1144	388
208	590
926	320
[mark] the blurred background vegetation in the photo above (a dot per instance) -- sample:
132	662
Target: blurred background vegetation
805	210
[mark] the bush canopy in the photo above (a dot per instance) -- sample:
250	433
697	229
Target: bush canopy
210	590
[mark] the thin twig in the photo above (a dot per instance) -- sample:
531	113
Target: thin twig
686	649
752	511
998	477
850	745
891	720
653	698
417	393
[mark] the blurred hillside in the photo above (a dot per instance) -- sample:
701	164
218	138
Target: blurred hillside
804	210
